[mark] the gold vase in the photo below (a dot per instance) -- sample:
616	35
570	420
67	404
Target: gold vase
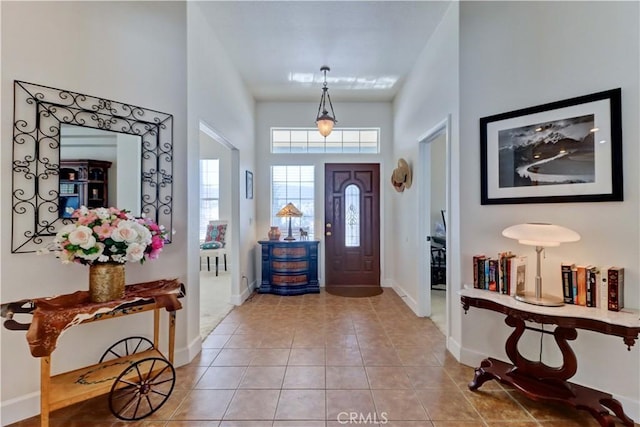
106	282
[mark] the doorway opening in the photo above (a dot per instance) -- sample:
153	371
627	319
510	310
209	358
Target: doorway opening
434	203
218	237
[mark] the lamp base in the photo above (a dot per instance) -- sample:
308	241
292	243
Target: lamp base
289	238
545	300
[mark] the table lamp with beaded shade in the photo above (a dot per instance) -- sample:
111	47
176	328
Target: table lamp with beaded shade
540	235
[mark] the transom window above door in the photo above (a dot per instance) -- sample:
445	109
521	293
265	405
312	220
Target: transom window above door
341	140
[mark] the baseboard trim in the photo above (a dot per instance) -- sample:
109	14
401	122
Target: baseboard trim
411	303
20	408
238	299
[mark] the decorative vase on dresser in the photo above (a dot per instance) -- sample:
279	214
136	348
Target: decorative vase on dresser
274	233
289	267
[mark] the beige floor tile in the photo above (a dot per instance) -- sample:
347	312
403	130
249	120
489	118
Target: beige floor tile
497	406
205	357
416	356
349	405
387	377
246	424
253	405
243	341
301	405
349	356
398	405
458	424
380	357
215	341
308	340
188	424
233	357
204	405
221	377
304	377
346	377
307	356
188	376
270	357
265	377
447	405
422	377
409	424
282	423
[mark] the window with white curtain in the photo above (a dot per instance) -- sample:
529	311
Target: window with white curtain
293	184
209	193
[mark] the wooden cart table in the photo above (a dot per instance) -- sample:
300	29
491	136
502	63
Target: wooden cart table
137	376
537	380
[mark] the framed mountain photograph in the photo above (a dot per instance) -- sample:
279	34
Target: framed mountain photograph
565	151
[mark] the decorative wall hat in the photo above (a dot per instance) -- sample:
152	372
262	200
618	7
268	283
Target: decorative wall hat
401	176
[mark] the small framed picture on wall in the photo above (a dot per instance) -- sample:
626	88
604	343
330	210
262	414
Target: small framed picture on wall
249	184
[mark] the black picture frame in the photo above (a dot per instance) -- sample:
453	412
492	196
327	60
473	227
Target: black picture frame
249	184
560	152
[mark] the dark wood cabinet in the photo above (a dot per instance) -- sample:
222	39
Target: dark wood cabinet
83	183
289	267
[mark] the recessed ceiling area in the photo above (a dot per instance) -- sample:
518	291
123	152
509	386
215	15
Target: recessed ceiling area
278	47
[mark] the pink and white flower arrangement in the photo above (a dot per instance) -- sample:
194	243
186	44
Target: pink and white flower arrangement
103	235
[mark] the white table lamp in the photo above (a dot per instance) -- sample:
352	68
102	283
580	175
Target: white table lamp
540	235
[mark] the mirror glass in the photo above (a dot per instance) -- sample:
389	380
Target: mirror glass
99	168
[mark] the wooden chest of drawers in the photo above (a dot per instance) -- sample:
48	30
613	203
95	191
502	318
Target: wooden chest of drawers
289	268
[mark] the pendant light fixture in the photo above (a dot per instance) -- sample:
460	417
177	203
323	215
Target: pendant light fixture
324	120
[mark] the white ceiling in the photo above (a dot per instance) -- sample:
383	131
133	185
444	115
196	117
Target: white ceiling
277	46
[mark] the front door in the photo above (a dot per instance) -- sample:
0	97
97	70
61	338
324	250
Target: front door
352	229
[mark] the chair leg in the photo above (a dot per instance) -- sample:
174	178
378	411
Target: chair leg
225	261
217	261
208	264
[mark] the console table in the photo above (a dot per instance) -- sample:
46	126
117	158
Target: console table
289	267
137	376
537	380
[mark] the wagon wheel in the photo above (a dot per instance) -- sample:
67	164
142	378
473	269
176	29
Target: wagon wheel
142	388
126	347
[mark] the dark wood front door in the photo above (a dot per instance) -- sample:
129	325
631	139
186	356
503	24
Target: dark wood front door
352	226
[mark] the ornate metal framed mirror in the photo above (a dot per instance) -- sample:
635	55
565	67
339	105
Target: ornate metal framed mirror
39	113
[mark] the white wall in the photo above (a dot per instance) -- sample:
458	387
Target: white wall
302	114
218	97
428	97
520	54
142	61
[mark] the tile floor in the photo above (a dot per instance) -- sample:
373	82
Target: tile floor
312	360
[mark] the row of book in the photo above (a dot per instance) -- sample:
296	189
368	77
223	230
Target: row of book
585	285
581	285
506	274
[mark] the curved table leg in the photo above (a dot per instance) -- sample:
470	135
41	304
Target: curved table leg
481	376
617	409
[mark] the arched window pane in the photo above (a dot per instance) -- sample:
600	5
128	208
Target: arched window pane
352	216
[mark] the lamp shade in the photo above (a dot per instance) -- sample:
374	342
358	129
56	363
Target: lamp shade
289	211
540	234
325	125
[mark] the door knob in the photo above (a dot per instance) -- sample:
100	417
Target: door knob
328	225
328	233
